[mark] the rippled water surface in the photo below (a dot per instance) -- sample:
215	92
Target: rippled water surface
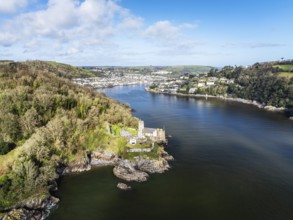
233	161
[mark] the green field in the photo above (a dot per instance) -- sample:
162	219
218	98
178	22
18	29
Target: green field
286	74
286	70
189	69
285	67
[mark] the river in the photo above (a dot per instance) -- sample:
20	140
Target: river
233	161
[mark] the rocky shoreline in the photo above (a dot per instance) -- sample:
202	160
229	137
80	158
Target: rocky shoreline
137	170
245	101
32	209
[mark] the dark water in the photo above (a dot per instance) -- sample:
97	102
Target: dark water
233	161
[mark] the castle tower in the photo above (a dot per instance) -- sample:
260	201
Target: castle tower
140	129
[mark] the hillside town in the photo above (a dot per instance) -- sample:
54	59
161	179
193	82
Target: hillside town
113	79
162	81
192	85
121	76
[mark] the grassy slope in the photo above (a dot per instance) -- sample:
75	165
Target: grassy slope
8	159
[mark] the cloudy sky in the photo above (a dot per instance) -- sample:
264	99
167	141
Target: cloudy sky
147	32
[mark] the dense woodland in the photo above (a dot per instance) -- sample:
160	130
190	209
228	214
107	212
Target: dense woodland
268	83
46	122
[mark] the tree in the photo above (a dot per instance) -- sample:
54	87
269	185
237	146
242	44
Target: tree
9	127
30	121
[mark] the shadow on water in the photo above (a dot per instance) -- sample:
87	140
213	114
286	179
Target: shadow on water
233	161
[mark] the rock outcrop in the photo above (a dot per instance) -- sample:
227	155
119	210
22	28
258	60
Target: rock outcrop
123	186
77	167
273	108
126	170
152	166
103	158
32	209
140	167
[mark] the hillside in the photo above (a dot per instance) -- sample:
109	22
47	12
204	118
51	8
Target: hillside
47	122
269	83
59	69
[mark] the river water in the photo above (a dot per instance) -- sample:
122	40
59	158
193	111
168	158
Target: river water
233	161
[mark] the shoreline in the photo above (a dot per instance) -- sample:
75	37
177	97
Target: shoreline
240	100
137	170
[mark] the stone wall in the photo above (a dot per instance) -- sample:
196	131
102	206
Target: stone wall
139	150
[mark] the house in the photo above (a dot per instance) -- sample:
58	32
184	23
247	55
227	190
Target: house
192	90
162	72
210	83
150	132
200	84
182	89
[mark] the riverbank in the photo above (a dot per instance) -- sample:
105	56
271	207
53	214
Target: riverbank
244	101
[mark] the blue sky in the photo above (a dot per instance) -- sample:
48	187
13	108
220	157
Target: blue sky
147	32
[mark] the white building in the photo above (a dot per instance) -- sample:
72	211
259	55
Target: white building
200	84
162	72
210	83
150	132
192	90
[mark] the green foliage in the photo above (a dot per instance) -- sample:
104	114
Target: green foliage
154	86
47	121
116	129
121	145
132	131
260	82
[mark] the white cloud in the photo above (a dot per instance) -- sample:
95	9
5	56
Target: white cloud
189	25
10	6
163	30
70	21
132	23
170	38
252	45
82	30
168	34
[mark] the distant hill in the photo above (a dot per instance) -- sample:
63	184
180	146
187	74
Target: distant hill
189	69
186	69
59	69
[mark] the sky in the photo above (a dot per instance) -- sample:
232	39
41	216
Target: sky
147	32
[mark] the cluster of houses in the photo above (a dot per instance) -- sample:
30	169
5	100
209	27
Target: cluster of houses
113	79
173	86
